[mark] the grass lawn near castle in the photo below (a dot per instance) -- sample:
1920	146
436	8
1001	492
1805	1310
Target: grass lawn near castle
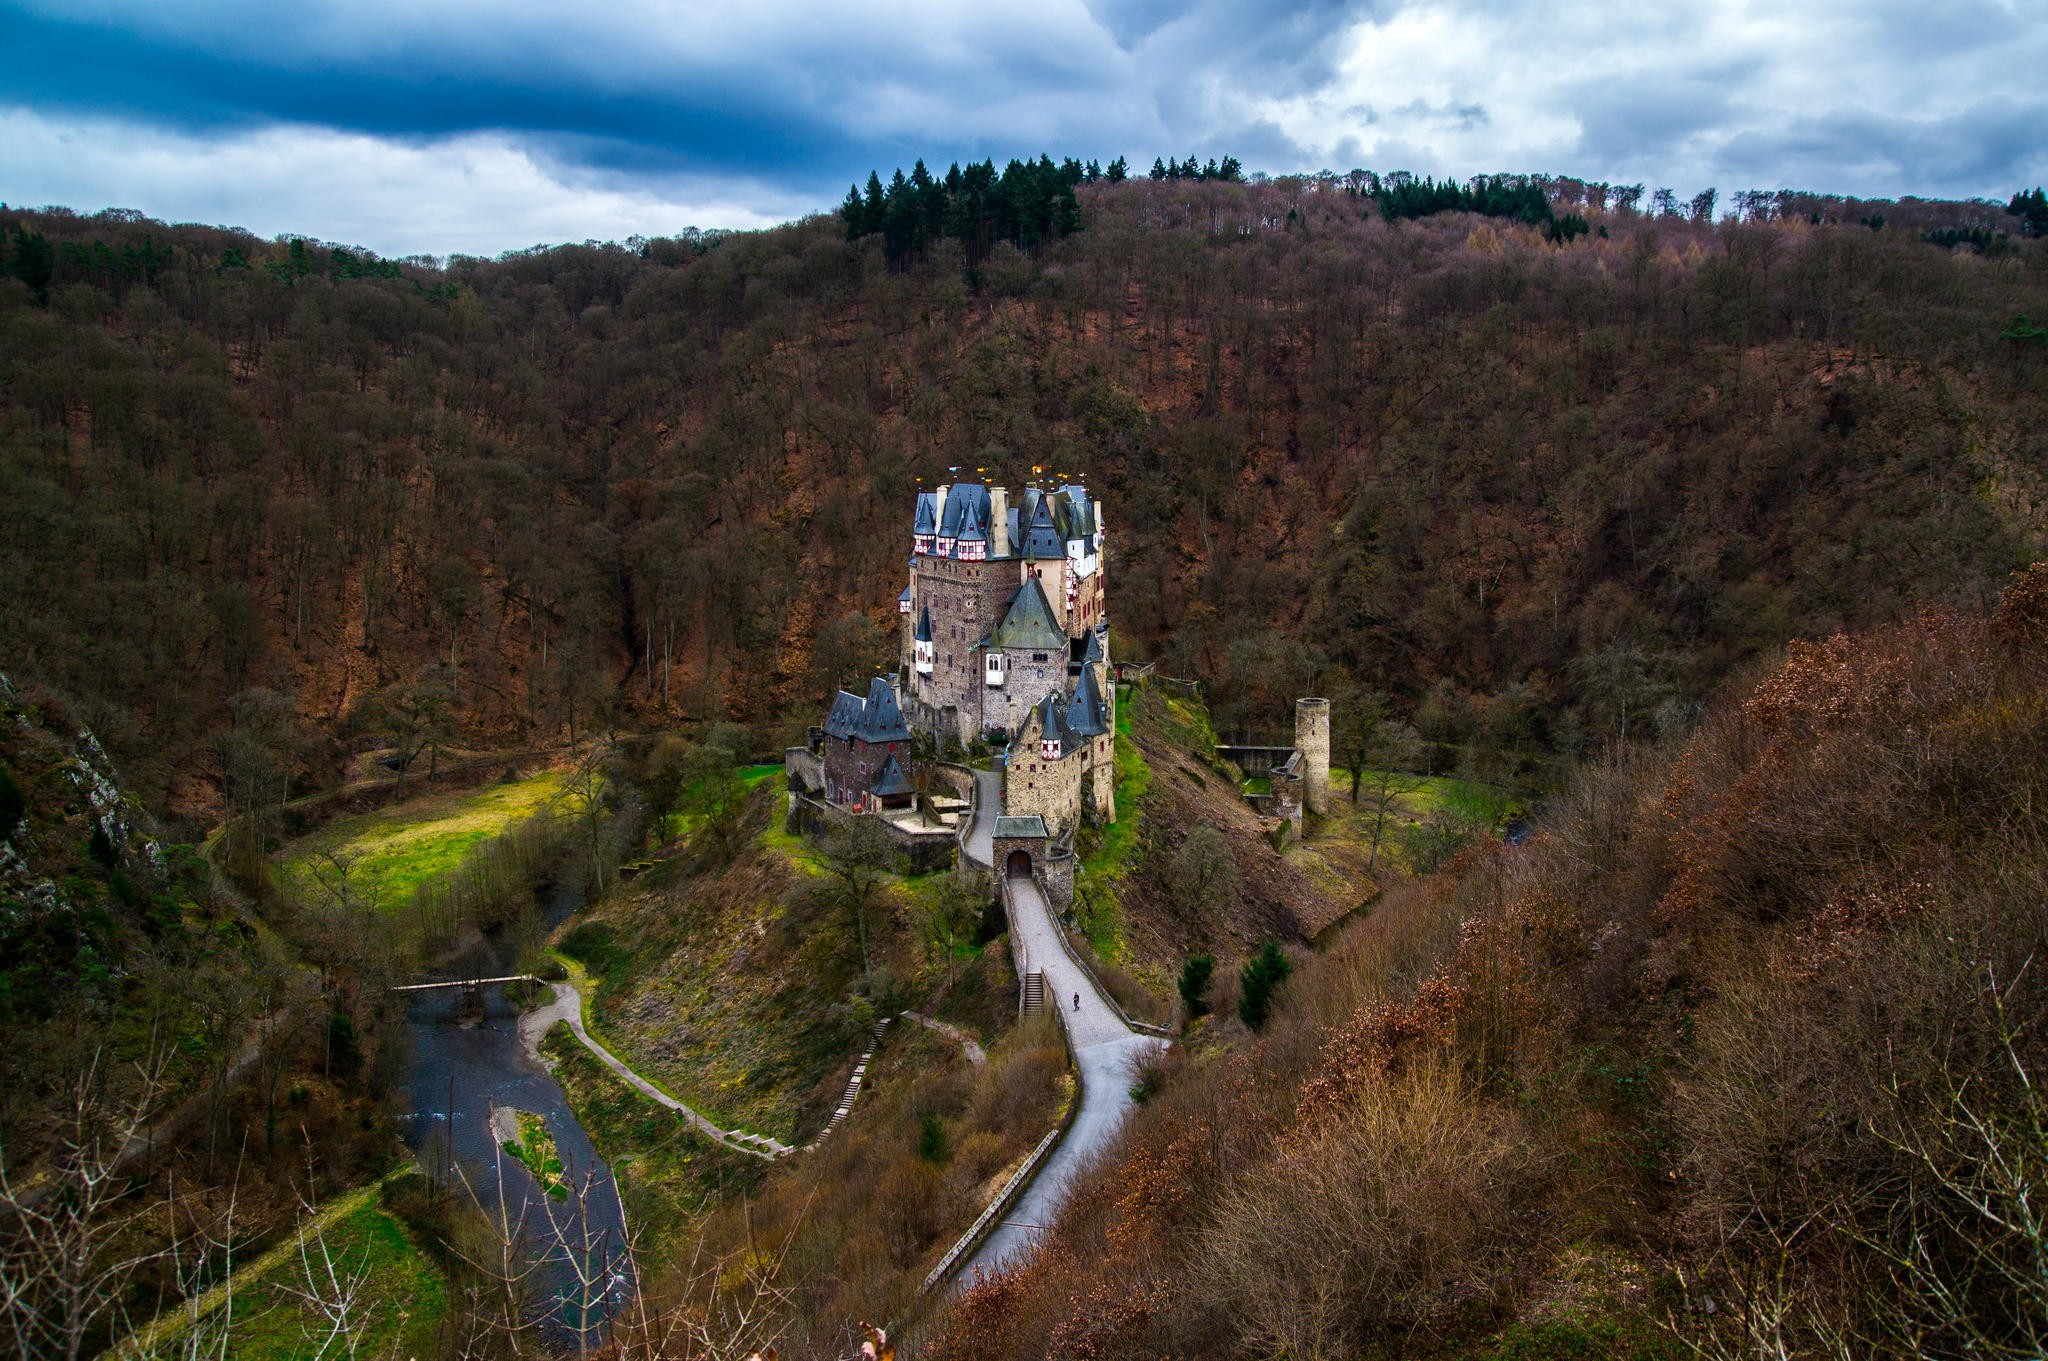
734	988
398	848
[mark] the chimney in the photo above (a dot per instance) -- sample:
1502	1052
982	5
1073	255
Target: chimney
998	522
939	509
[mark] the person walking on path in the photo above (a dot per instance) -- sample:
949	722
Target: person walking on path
1077	1001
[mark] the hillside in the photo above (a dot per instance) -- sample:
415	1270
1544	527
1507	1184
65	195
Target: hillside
1540	492
1738	1054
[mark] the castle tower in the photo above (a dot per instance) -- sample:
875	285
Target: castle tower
1312	739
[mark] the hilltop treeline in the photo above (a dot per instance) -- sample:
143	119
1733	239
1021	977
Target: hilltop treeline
1538	493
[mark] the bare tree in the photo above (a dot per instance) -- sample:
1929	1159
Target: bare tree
73	1245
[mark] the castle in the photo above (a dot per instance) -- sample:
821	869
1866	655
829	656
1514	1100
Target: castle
1005	642
1006	639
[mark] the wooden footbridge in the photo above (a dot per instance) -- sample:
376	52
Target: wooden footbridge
470	982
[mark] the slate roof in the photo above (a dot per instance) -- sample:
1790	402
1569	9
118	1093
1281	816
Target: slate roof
874	719
844	715
1088	716
1093	652
1031	824
927	513
963	499
973	523
1029	622
1057	723
1074	513
1041	537
923	632
881	720
890	781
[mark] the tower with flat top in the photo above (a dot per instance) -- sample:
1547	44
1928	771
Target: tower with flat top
1312	740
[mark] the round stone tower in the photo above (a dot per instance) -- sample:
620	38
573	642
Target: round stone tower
1312	738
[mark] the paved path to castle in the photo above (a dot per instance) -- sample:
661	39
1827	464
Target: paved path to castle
1104	1049
988	802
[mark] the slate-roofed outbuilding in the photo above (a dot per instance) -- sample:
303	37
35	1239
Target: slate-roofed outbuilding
876	719
1029	825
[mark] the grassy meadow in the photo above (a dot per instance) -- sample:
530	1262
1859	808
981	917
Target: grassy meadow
394	850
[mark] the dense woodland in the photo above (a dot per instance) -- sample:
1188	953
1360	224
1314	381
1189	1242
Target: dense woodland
1537	492
1550	473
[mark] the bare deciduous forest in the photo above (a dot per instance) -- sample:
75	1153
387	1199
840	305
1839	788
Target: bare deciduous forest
1711	537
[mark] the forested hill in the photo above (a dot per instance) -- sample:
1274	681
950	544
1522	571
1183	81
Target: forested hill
1538	486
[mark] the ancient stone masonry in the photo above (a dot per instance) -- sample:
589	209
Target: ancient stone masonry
1004	640
1312	738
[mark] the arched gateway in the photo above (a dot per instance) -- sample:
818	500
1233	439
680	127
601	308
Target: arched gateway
1019	865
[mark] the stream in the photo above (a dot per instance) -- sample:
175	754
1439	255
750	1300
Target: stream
573	1246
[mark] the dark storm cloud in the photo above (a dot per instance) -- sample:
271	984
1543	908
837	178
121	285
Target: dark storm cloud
696	124
438	119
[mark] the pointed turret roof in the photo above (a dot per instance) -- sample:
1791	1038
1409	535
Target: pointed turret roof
962	500
1042	538
923	632
1093	653
927	513
973	524
1052	717
1029	622
1088	716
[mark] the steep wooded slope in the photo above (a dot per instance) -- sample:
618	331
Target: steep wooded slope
1743	1048
1538	491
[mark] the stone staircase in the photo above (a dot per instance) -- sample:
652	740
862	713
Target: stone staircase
1034	992
860	1072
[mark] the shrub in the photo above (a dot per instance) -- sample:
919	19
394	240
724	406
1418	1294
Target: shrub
1360	1233
1194	982
931	1140
1262	975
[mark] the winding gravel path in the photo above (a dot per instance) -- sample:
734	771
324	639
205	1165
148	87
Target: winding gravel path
567	1007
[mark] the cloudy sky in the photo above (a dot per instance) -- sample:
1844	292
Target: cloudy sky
433	126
